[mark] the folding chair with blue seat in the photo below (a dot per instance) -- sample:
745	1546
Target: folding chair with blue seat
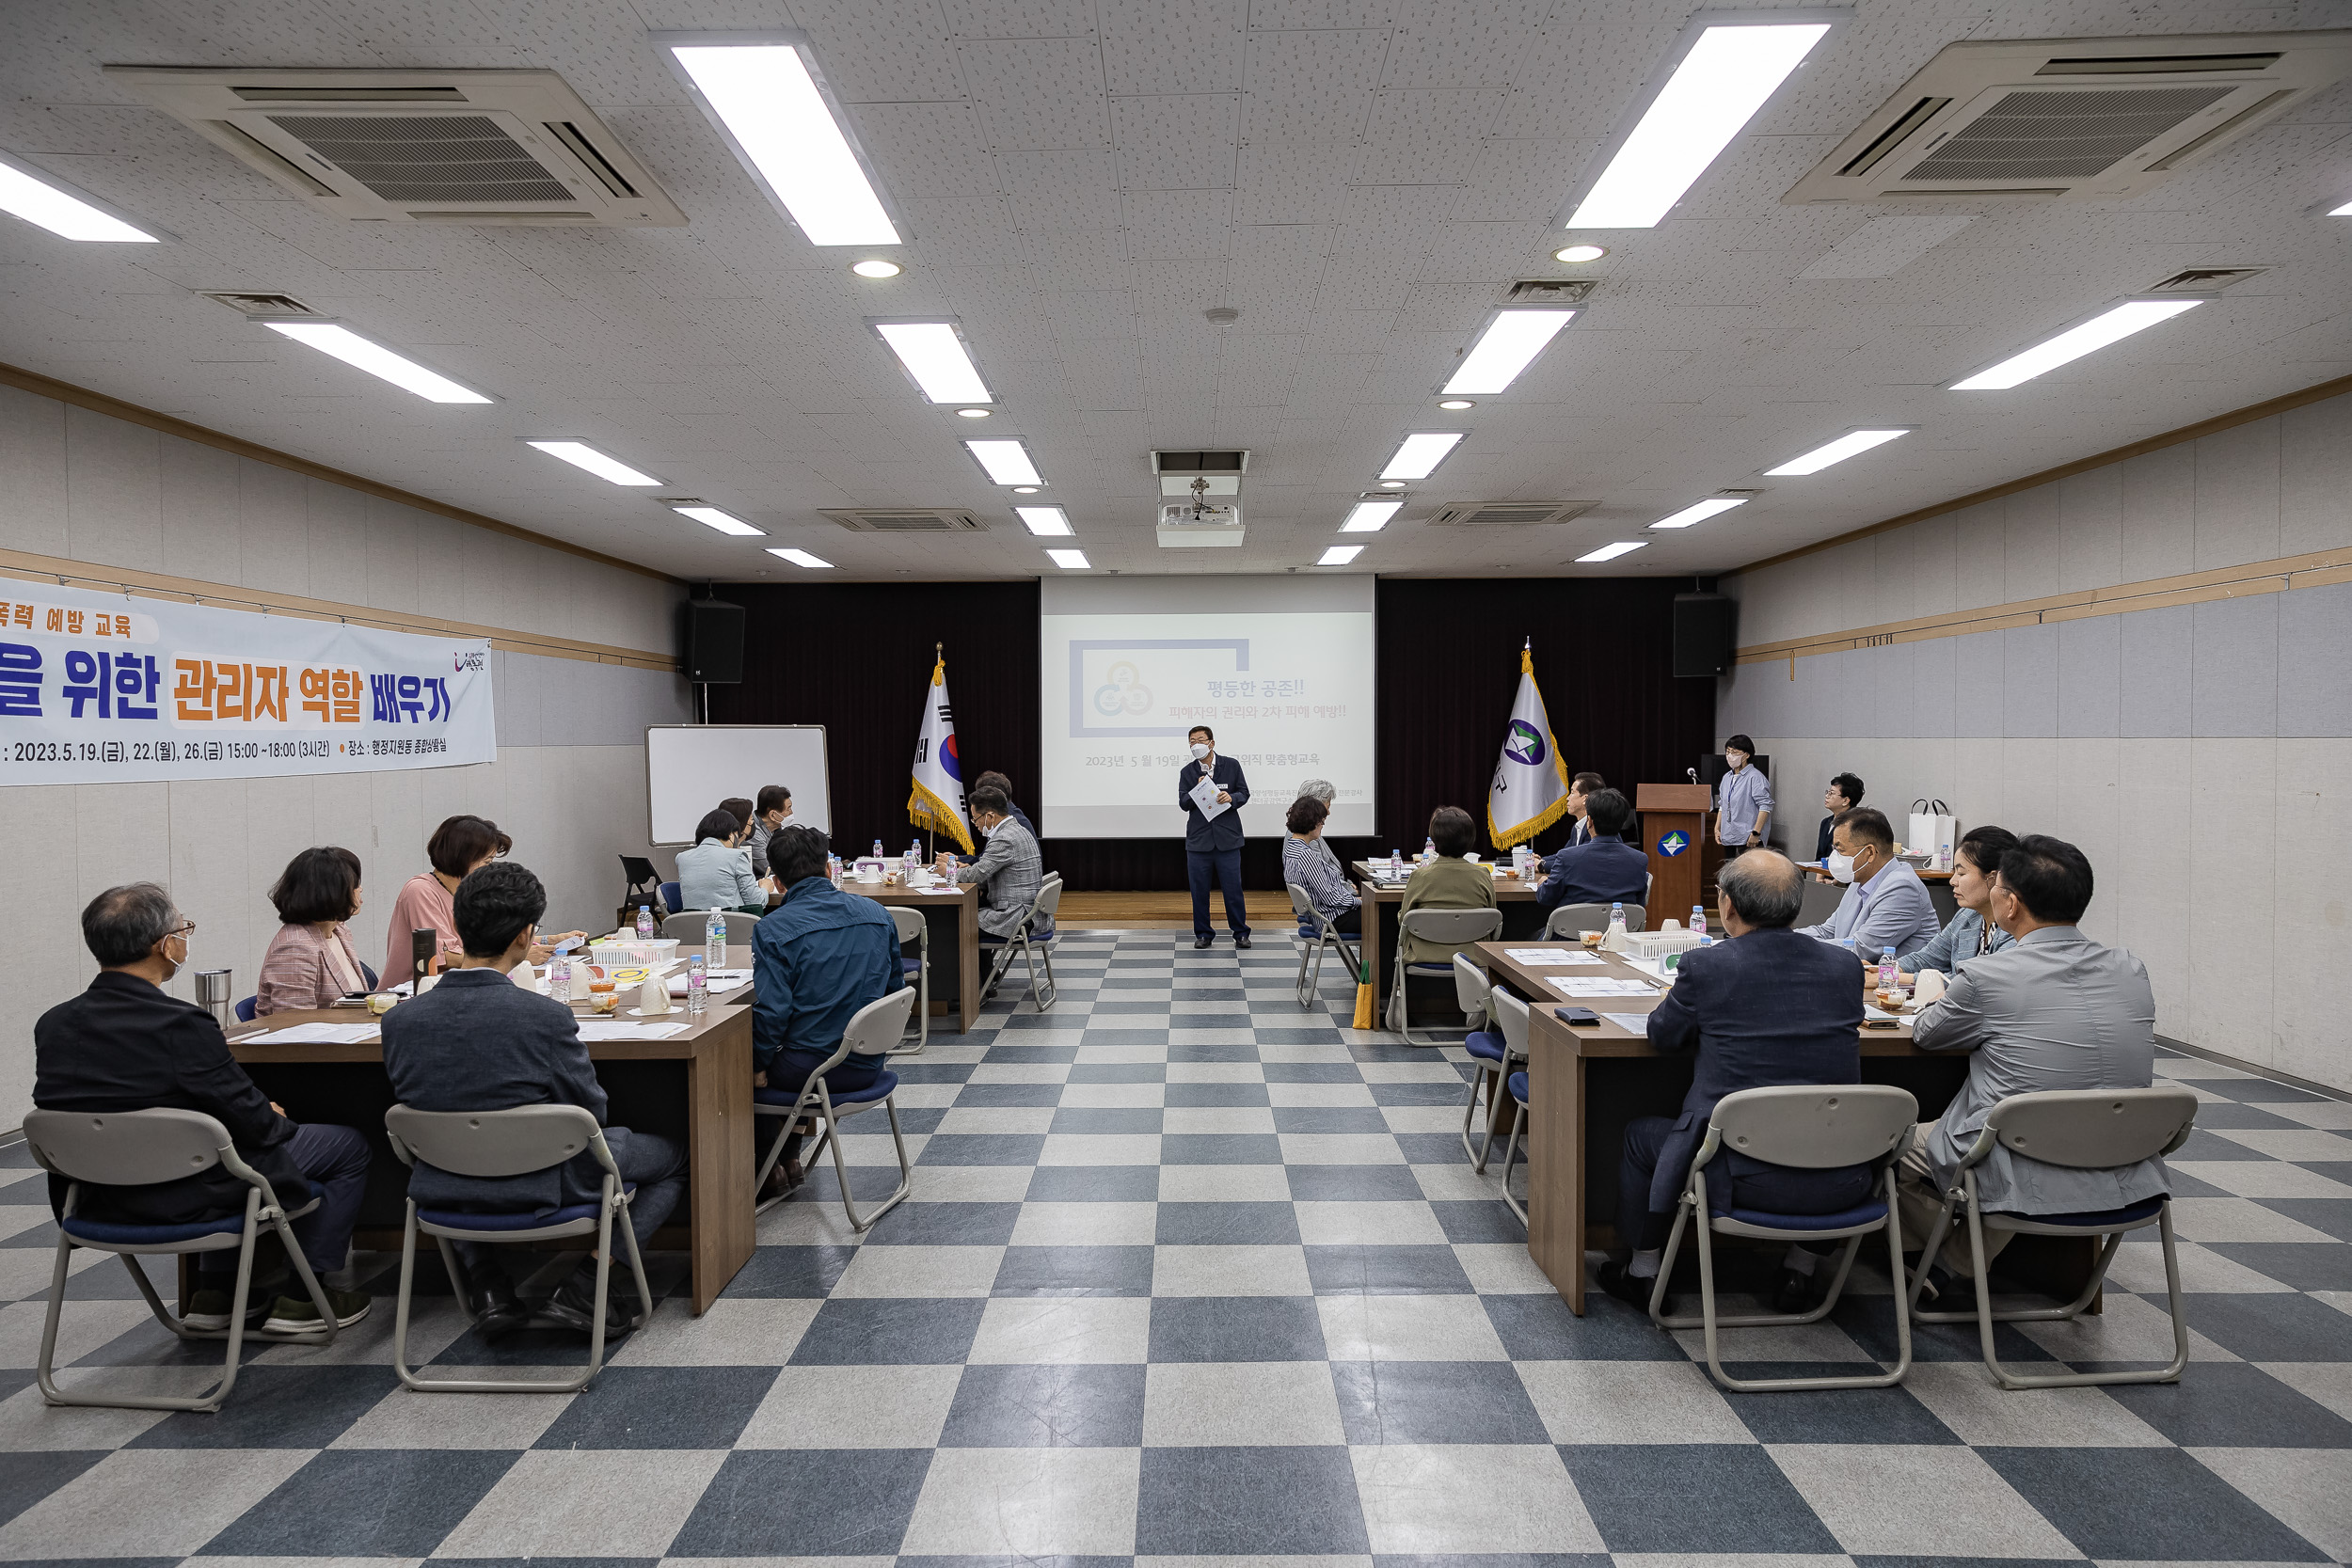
2081	1130
1511	1018
873	1029
1443	926
691	928
140	1148
1316	931
914	929
1573	920
492	1143
1033	937
1490	1055
671	899
1800	1126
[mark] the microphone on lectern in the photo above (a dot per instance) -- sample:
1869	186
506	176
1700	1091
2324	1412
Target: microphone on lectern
1692	773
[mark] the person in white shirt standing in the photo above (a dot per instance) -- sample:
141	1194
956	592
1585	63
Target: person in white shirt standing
1744	802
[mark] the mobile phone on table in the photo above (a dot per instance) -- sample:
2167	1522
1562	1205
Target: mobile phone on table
1576	1017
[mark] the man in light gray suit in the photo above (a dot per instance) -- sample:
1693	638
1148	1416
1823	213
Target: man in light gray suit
1009	868
2053	1010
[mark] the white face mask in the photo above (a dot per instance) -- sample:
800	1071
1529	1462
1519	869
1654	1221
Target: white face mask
1198	752
1841	867
1736	760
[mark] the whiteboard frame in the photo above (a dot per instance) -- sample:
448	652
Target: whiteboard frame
824	781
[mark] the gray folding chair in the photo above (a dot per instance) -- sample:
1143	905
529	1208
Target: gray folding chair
1327	935
1446	925
688	929
492	1143
871	1032
1573	920
1489	1054
2080	1130
914	929
139	1148
1034	937
1805	1127
1511	1016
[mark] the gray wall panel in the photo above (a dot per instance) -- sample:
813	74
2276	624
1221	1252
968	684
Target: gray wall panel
1977	682
2029	682
2156	671
2233	682
2315	661
2090	677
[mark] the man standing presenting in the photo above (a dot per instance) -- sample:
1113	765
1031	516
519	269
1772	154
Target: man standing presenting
1213	844
1744	802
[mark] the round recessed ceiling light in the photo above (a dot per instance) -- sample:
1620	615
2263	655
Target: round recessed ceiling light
876	268
1457	403
1025	489
975	413
1580	253
1391	485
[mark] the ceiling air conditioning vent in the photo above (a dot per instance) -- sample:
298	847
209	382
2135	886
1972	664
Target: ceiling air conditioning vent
1507	514
260	304
2100	118
2205	281
1200	461
477	147
905	521
1551	291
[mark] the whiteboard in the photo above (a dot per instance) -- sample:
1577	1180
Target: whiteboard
691	768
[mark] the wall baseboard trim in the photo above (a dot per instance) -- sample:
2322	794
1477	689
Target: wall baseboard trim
2318	393
2327	1091
2281	575
29	567
99	403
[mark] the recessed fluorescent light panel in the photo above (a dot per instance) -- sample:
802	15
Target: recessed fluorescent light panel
1699	514
2342	211
1729	68
1610	552
802	557
767	97
1043	521
1007	460
41	199
580	454
725	522
934	356
1509	345
343	343
1371	516
1340	555
2109	326
1418	454
1068	561
1846	446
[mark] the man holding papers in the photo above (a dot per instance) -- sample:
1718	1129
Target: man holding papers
1208	789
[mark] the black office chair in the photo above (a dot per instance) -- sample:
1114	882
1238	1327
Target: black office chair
645	882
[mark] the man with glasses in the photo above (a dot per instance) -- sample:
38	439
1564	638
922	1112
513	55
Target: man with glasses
124	1045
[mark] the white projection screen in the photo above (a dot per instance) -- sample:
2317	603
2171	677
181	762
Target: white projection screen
1279	667
691	768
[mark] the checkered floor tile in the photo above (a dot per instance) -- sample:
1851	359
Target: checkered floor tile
1193	1273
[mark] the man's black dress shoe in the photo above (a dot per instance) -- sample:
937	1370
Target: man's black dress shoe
495	1312
1794	1293
574	1303
1633	1292
1241	939
1198	943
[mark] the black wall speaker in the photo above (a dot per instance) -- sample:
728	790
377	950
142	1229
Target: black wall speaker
1704	625
714	641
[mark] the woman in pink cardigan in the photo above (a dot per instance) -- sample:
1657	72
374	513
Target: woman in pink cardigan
311	962
458	845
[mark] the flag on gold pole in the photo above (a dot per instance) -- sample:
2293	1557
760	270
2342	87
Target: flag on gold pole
1530	785
937	801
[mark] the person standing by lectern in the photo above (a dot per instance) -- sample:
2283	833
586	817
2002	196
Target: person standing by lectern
1213	844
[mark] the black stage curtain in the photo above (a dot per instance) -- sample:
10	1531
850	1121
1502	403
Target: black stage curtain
854	658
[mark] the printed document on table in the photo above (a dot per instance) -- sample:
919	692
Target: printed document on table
607	1029
1597	985
1551	957
1633	1023
317	1034
1204	795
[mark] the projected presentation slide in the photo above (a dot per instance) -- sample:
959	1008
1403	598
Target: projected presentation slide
1280	668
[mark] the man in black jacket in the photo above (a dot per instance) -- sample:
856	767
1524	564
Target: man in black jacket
123	1045
1768	1006
477	1042
1212	847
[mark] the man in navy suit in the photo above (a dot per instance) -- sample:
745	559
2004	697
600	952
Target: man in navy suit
1768	1006
1213	847
1602	869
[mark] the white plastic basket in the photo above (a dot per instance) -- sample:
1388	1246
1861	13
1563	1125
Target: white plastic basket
652	954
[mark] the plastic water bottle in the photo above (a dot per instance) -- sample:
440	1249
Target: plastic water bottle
1889	971
878	852
697	987
715	941
644	923
1428	848
1616	922
832	869
914	856
1397	862
559	977
1698	920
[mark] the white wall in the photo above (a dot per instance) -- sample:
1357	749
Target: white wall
568	785
2200	755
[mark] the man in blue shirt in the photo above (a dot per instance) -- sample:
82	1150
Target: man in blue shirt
817	958
1744	802
1885	903
1602	869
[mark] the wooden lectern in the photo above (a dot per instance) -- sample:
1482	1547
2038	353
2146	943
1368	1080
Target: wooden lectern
1674	834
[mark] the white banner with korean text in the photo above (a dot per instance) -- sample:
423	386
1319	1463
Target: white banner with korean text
102	689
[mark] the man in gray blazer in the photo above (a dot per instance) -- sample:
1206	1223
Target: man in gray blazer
1009	868
477	1042
2053	1010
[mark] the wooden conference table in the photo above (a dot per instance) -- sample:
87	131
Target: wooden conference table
695	1087
1384	902
1584	1085
954	922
